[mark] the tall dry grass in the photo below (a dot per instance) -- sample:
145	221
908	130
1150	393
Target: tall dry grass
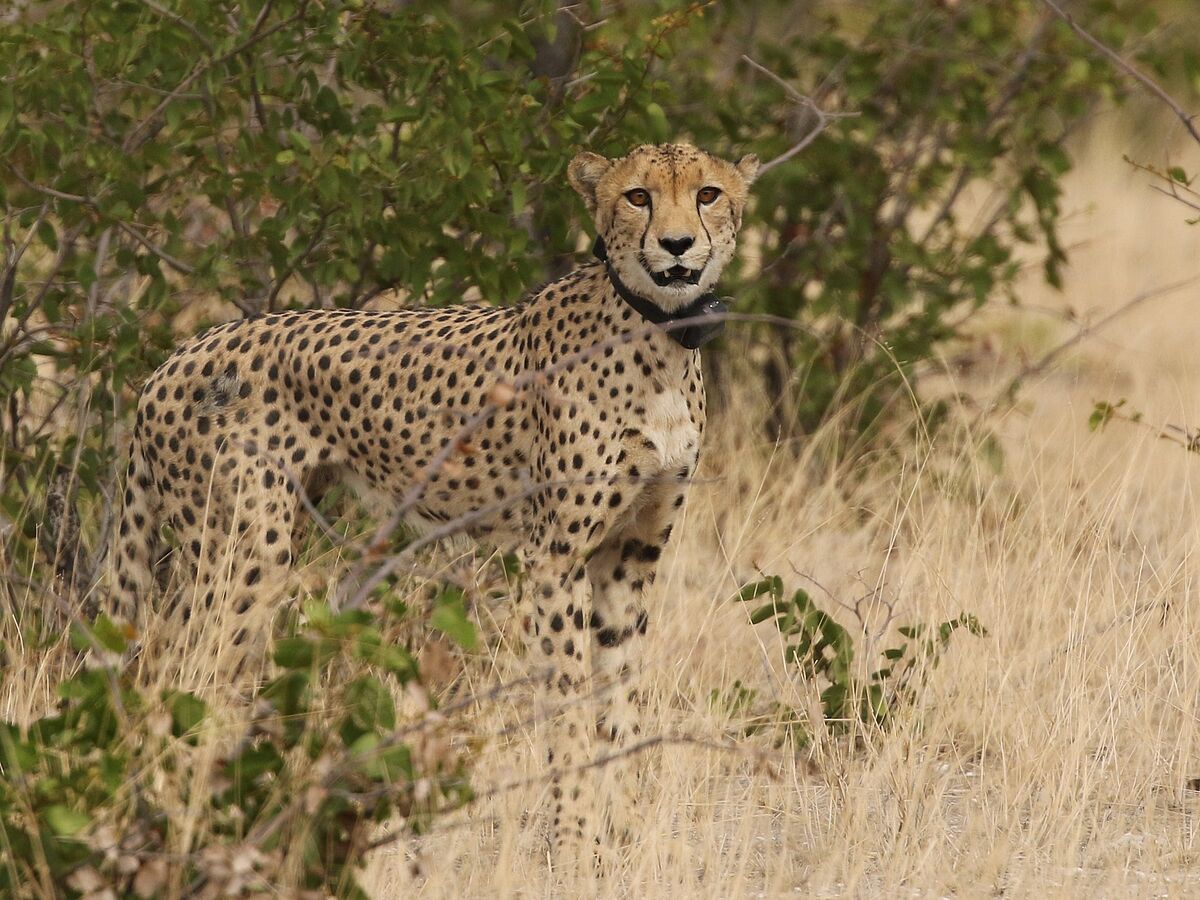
1054	757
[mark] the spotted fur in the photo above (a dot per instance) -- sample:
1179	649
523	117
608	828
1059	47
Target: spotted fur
581	469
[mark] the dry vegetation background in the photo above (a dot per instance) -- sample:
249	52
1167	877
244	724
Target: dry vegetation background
1055	757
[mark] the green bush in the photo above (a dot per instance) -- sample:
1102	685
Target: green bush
92	794
155	159
858	696
875	238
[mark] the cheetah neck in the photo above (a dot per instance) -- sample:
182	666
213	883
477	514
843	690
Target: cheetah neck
691	326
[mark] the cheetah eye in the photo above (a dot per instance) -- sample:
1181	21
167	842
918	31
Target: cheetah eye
638	197
708	194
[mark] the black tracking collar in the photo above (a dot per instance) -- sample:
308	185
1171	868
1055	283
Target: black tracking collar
692	336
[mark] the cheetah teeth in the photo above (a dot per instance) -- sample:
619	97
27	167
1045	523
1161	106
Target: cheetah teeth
676	274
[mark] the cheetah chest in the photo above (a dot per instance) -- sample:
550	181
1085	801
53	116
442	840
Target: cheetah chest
671	426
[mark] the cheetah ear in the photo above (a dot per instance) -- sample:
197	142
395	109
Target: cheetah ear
747	167
585	172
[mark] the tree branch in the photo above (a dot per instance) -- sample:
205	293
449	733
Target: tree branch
12	256
145	129
823	117
177	264
1084	332
1188	119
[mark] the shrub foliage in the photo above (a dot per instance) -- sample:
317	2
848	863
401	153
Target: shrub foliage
94	795
157	158
857	696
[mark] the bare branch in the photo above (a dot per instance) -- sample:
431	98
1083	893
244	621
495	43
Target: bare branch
48	191
281	279
502	397
823	117
177	264
1175	189
12	257
1084	332
1188	119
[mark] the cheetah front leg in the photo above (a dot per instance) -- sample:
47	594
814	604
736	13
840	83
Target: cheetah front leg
558	651
622	570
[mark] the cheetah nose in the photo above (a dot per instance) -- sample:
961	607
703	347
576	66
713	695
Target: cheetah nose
677	246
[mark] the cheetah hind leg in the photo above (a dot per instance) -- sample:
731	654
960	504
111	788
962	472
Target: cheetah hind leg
234	569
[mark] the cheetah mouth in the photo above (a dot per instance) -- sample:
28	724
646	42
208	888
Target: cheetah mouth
676	275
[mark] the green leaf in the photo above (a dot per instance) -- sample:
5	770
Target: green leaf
392	764
1102	414
47	235
104	632
64	821
295	653
187	711
110	635
365	744
8	108
370	648
289	693
992	453
370	704
254	761
451	619
763	613
511	565
657	120
300	140
772	586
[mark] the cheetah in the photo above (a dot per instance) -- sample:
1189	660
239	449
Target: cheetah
565	428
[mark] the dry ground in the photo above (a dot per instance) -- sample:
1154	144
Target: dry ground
1050	758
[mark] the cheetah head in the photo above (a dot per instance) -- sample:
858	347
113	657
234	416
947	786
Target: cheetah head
668	214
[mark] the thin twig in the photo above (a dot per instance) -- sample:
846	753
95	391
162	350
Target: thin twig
530	379
317	234
823	117
13	256
1084	332
462	523
1188	119
175	263
180	21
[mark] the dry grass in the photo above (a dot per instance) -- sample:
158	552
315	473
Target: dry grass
1051	758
